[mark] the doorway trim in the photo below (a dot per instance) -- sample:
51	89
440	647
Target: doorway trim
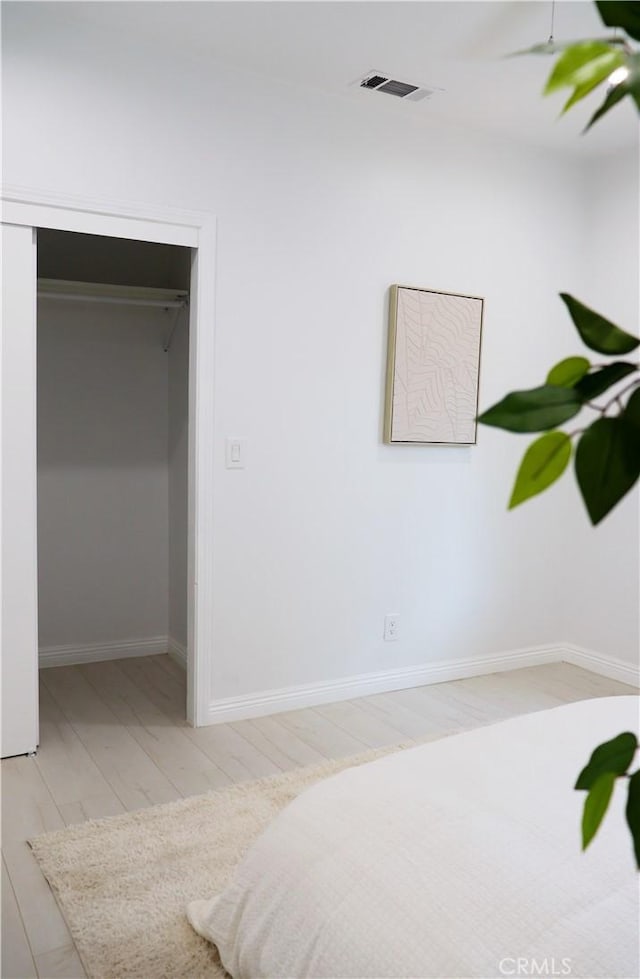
196	230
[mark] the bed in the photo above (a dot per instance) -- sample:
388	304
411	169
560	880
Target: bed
457	858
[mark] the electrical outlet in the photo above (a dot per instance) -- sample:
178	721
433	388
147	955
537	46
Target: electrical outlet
391	626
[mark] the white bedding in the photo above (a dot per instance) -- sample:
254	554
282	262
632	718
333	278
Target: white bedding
453	859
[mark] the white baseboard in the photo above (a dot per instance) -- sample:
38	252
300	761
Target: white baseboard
361	685
96	652
294	698
609	666
177	652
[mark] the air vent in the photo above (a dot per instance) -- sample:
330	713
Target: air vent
376	81
397	88
373	81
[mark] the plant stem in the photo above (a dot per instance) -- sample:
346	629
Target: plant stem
616	397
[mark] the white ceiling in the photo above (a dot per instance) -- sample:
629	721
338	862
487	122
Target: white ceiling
455	46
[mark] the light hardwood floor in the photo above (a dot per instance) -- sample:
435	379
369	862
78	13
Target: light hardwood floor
114	738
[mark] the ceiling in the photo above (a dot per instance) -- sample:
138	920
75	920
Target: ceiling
459	47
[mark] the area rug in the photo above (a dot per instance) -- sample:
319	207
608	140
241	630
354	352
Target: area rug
123	883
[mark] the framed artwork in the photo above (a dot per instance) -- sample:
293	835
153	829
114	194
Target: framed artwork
433	366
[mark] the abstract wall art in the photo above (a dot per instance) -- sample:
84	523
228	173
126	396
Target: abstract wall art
433	367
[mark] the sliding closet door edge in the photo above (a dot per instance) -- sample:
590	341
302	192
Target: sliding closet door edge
20	732
201	476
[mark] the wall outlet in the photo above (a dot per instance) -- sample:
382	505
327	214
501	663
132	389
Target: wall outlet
391	626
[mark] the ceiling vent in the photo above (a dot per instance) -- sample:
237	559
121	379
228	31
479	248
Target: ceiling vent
378	82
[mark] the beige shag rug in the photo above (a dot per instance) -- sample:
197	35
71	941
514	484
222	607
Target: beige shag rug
123	883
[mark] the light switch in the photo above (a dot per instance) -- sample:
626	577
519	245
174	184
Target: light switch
236	453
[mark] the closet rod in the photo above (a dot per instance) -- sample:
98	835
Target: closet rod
104	292
121	301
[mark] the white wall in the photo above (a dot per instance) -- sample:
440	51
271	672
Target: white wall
178	371
602	571
322	203
102	474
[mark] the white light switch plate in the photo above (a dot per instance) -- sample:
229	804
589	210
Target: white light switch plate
236	453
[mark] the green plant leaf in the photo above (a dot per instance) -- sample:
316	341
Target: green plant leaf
632	81
631	412
607	464
597	332
613	756
632	813
621	14
544	461
613	97
585	63
568	372
533	411
630	86
601	380
581	91
601	70
595	806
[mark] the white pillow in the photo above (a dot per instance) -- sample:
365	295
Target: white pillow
459	858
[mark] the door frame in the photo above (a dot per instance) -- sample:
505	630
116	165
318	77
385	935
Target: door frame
196	230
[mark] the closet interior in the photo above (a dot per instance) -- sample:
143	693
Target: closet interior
113	379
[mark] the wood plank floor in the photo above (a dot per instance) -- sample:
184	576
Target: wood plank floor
114	738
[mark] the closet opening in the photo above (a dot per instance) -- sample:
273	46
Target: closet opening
112	466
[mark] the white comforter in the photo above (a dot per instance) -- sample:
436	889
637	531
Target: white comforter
459	858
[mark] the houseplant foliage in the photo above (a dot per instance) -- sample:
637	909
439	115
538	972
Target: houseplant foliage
605	444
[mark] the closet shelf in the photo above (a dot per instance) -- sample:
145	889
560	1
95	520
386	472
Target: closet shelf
99	292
